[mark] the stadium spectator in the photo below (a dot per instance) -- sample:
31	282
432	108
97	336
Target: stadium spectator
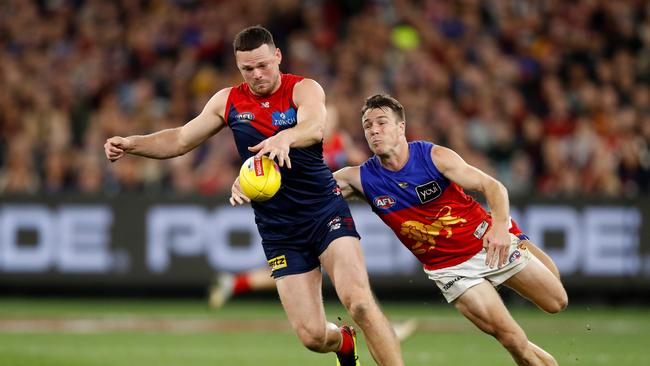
87	70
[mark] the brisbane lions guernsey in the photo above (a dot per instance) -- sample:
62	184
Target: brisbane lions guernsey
432	216
308	187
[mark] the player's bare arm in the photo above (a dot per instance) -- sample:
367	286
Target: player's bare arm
497	239
349	180
173	142
309	97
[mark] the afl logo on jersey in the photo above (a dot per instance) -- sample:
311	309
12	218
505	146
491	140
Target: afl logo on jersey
384	202
245	116
428	192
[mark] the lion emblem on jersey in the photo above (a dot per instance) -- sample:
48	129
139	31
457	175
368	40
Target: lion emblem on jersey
425	234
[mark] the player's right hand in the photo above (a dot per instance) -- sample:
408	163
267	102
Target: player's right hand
497	244
237	197
277	146
116	147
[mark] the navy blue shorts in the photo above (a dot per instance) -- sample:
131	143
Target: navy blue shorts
299	254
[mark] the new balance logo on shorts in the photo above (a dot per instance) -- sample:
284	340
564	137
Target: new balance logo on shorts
277	263
335	223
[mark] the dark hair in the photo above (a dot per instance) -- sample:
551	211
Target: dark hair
251	38
384	101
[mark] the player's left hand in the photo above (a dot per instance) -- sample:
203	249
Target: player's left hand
497	244
237	197
277	147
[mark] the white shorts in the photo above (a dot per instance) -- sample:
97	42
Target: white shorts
454	281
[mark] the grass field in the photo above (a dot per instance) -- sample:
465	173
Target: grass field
98	332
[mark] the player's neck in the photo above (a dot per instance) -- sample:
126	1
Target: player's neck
397	158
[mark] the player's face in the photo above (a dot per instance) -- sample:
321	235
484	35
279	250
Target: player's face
260	68
383	130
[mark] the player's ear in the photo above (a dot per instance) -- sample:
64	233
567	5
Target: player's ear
278	55
402	127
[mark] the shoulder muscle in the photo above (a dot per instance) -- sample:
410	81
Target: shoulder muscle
308	91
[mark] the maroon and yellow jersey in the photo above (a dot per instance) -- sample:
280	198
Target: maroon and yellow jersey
432	216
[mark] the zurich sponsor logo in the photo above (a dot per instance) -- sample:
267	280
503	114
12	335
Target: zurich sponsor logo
286	118
245	116
384	202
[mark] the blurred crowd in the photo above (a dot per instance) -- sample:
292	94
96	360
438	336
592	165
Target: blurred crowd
551	97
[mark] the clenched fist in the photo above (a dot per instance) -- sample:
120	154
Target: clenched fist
116	147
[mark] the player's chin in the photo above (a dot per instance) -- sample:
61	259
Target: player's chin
262	89
376	148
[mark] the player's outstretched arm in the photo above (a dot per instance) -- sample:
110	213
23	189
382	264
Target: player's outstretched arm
309	97
497	239
349	180
174	141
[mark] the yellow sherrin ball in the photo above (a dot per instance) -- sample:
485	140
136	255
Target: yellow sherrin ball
259	178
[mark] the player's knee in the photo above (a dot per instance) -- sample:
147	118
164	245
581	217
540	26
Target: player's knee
359	310
557	304
312	339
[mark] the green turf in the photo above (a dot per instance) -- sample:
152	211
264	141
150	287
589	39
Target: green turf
579	336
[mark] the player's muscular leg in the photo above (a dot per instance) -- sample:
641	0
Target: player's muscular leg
303	303
543	257
538	284
344	264
482	305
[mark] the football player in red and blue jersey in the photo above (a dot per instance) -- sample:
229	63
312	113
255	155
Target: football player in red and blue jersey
417	189
307	224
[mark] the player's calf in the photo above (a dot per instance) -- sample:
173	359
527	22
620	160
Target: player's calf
314	339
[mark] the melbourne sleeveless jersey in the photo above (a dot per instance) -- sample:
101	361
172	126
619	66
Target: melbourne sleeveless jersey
308	187
432	216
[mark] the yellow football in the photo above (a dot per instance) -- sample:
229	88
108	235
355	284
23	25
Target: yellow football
259	178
